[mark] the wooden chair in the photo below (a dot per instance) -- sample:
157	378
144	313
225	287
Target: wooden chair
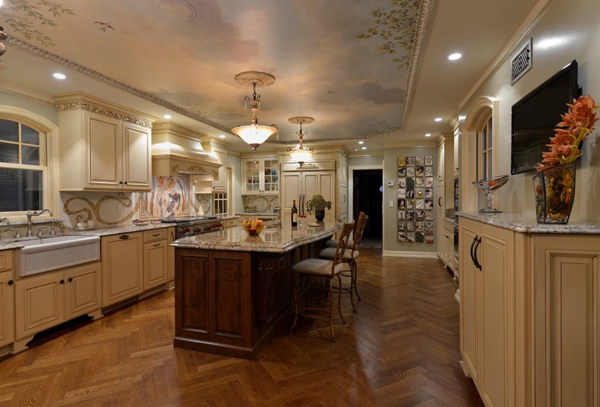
350	257
333	242
324	271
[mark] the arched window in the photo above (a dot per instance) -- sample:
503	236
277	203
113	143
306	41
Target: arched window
477	144
23	167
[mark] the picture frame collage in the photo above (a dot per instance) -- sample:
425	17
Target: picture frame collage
416	199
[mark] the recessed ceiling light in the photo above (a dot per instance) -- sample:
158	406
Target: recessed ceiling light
222	136
438	119
455	56
60	76
364	148
168	116
428	135
356	149
0	3
361	142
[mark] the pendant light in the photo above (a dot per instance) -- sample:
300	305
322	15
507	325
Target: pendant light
255	134
301	154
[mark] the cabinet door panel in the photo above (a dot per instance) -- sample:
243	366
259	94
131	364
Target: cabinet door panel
193	268
311	185
83	290
327	186
7	308
39	303
103	156
469	302
122	268
229	297
496	255
155	264
291	187
137	145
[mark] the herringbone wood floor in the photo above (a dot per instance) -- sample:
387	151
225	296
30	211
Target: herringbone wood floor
401	349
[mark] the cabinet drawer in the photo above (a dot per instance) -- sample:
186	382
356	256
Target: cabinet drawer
231	223
152	235
6	260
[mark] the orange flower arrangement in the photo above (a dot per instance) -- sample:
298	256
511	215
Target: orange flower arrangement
576	126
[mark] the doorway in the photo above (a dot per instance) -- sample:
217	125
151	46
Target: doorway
367	197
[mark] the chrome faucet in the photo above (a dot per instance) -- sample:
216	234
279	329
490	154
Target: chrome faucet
31	214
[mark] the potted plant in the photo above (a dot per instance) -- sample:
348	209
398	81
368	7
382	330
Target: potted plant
318	204
555	181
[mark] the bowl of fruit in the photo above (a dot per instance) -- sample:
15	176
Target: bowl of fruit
253	226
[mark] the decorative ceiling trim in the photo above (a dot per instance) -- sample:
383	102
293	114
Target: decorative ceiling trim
64	106
57	59
424	13
177	128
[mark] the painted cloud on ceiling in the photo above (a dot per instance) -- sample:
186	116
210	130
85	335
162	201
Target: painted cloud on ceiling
344	62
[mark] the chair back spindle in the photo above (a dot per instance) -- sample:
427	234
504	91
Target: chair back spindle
341	246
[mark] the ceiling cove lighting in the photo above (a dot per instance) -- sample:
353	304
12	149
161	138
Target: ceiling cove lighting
361	142
168	116
428	135
455	57
222	136
255	134
438	119
301	154
59	75
364	148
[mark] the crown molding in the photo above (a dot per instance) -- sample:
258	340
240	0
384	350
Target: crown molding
57	59
424	13
534	17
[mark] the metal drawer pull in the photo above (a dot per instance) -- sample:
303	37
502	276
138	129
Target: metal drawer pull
471	250
157	245
124	237
477	264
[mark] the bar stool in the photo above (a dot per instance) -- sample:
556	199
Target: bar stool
323	270
350	257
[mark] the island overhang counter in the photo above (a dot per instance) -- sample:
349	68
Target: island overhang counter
231	289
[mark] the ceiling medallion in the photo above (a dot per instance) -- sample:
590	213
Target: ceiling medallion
255	134
179	10
301	154
3	37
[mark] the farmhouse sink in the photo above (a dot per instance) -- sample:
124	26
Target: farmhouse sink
53	253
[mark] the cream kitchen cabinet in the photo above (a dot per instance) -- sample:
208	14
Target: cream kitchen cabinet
7	299
156	269
487	286
308	183
530	312
49	299
122	267
101	149
441	160
260	176
220	184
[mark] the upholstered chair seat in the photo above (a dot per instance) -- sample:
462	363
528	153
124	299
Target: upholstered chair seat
330	252
318	267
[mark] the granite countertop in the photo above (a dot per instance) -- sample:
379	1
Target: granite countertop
257	214
526	223
117	230
271	240
10	245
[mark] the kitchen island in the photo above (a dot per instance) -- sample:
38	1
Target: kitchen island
231	289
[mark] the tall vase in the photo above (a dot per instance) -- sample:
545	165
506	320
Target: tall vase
554	194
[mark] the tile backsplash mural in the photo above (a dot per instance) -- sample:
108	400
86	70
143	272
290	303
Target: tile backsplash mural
170	197
259	203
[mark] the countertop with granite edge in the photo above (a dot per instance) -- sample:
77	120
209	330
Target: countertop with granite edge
271	240
526	223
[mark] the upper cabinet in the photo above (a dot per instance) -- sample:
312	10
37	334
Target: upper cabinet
220	183
260	176
102	147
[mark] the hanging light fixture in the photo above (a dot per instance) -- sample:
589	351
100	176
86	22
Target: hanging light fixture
255	134
301	154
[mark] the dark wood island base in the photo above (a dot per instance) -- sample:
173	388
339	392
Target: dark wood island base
228	302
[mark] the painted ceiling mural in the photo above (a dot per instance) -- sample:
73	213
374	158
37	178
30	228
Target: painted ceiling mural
344	62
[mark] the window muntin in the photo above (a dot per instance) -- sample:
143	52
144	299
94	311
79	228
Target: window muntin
23	167
220	204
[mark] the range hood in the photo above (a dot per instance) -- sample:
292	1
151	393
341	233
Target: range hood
177	150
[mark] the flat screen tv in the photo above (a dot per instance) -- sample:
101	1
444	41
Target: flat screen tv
535	117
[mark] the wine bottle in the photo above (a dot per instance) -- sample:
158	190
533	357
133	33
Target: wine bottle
294	214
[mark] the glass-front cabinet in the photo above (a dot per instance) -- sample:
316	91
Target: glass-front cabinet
260	176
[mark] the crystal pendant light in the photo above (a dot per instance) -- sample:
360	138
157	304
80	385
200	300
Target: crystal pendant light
255	134
301	154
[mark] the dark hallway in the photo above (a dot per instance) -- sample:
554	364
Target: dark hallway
368	198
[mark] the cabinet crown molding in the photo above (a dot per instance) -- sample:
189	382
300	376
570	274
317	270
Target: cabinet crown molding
84	101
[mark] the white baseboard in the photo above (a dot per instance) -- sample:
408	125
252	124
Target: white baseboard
422	255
